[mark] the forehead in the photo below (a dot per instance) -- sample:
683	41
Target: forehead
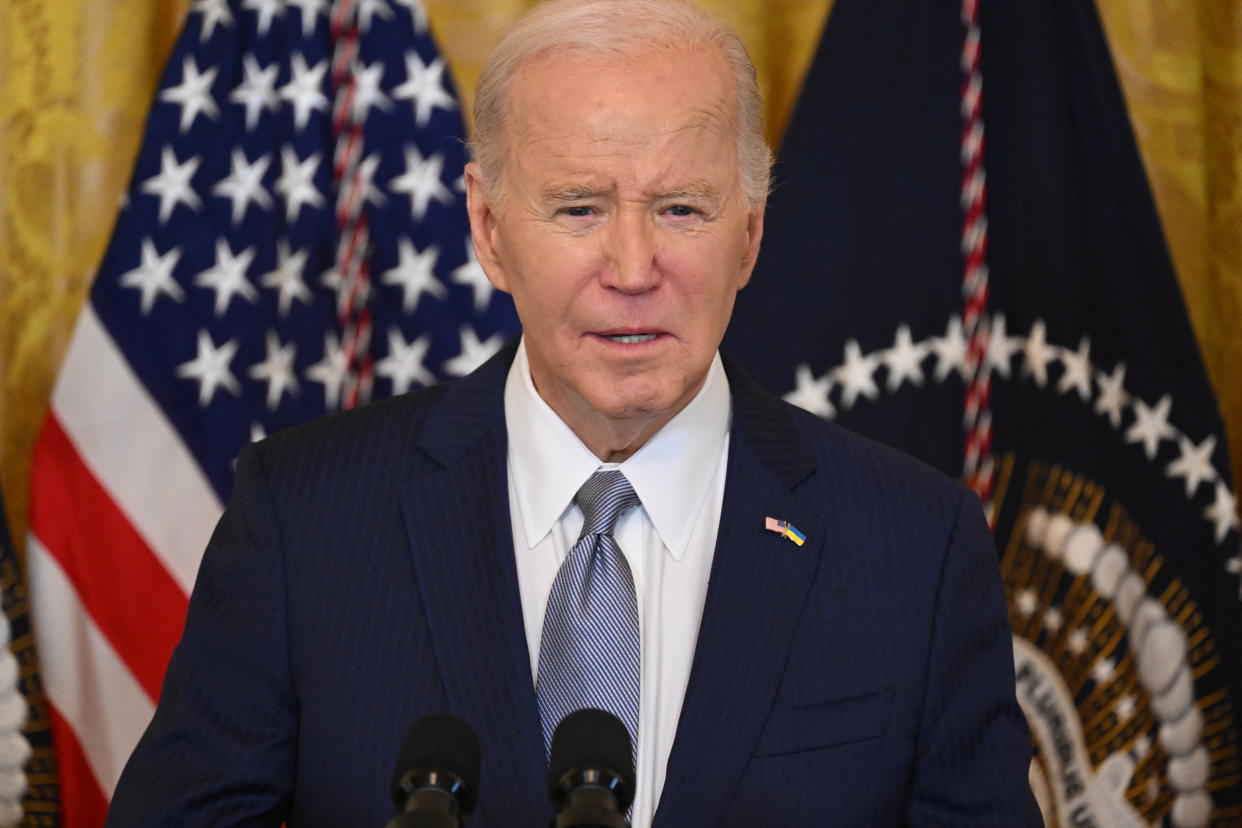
662	105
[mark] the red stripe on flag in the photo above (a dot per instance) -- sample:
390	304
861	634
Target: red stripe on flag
132	599
82	803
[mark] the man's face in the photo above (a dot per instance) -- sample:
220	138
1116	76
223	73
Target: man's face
622	231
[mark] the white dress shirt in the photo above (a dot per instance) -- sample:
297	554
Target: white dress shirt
668	541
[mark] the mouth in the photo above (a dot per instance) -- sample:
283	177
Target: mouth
629	336
630	339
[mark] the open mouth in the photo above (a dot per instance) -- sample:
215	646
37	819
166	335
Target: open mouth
630	339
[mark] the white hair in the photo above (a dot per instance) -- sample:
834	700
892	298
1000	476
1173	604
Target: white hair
617	30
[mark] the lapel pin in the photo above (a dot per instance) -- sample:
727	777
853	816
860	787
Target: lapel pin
785	529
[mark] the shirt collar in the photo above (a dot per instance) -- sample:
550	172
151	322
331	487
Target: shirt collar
671	473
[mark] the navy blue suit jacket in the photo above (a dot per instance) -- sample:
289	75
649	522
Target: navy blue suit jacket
363	575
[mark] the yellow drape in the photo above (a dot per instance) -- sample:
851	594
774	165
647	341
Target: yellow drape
76	77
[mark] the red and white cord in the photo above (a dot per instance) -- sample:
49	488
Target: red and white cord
353	246
978	470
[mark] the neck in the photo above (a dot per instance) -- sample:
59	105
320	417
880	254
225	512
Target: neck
616	441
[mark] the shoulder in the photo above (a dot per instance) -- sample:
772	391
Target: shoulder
428	424
868	463
383	431
820	459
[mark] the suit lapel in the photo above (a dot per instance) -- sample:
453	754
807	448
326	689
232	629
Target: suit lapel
759	582
458	523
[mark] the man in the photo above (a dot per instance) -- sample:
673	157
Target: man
851	667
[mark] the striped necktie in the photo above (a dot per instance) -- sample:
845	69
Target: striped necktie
589	653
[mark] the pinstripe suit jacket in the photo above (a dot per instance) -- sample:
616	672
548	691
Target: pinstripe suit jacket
363	576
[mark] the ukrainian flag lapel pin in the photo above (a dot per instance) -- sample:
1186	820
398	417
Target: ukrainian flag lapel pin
785	529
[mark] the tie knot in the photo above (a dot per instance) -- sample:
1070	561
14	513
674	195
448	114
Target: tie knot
602	499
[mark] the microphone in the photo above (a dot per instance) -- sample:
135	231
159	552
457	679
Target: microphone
591	772
436	779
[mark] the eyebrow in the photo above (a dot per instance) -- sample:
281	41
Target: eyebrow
571	192
694	191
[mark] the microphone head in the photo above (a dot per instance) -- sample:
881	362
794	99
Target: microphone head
592	740
439	743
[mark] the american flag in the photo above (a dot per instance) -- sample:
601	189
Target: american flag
294	239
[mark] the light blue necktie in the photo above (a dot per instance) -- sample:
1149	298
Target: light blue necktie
589	653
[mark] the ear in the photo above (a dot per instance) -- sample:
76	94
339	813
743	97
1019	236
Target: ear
754	235
483	227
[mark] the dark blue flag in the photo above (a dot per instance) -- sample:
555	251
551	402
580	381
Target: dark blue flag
1109	487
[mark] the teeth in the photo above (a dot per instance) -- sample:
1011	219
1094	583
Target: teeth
630	339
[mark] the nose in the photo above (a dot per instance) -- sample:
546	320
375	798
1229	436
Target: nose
630	253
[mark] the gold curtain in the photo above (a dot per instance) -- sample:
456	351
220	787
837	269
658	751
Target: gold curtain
76	77
1181	70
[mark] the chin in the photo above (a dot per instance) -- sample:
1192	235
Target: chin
641	404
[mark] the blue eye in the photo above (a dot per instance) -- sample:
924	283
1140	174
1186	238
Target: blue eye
580	211
681	210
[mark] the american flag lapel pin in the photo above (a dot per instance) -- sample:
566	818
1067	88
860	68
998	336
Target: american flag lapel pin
785	529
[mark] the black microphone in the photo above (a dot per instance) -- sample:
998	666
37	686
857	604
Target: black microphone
591	773
436	780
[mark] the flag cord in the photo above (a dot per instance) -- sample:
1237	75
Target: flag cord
349	180
977	468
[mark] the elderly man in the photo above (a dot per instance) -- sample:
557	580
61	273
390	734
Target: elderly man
795	626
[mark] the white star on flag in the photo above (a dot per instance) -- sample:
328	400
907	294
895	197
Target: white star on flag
366	179
416	274
811	394
404	363
154	276
950	350
228	277
904	360
286	279
297	182
424	87
473	352
276	370
473	276
172	184
210	367
1001	347
213	12
266	11
1194	463
368	9
331	370
856	374
303	90
368	90
310	9
257	90
1077	370
193	94
421	182
333	281
1151	425
1112	397
1037	354
1234	566
1223	512
244	184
